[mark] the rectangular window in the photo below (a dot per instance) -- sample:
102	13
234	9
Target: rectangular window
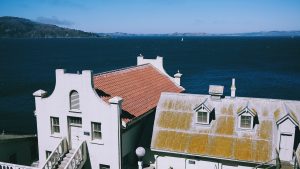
202	117
54	125
102	166
245	122
96	131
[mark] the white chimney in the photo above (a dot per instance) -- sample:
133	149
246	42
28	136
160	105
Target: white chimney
177	77
233	89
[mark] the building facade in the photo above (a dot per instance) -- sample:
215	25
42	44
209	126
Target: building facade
99	117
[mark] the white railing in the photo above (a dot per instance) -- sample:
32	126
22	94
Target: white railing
78	158
14	166
56	155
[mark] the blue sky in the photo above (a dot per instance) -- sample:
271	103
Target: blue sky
160	16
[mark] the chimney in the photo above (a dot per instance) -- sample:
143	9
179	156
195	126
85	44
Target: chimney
216	91
177	77
233	88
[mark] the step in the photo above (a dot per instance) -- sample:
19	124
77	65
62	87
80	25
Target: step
72	151
69	155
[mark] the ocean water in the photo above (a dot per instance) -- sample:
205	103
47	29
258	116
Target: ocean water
265	67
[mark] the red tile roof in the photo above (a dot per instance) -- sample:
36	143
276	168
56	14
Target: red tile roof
139	86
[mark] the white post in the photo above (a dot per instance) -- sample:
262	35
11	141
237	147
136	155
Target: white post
177	77
140	152
233	88
140	164
116	108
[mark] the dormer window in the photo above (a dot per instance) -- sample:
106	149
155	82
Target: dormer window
203	113
74	100
246	118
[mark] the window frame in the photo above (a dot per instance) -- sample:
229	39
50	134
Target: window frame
71	100
201	116
53	125
246	114
97	131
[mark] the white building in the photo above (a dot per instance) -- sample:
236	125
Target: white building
97	120
209	131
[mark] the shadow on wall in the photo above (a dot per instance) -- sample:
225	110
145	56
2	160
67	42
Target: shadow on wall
87	164
297	138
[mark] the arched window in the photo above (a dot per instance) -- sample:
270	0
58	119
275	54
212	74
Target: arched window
74	100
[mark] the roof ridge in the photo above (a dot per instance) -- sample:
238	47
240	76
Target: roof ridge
121	69
246	99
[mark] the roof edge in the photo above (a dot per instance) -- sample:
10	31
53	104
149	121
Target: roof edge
205	156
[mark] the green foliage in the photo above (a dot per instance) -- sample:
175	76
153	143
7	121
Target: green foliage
13	27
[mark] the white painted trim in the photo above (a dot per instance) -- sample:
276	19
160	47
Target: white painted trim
239	122
287	116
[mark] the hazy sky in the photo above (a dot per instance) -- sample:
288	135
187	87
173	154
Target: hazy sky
160	16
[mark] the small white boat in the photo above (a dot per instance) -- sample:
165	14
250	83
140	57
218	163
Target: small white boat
181	39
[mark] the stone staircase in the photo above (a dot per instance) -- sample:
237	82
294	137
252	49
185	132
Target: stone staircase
66	159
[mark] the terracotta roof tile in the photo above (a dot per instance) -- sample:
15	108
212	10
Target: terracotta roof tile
139	86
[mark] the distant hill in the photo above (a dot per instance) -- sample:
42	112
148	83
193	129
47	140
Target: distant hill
13	27
177	34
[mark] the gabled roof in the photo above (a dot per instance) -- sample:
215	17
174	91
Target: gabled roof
139	86
205	105
175	130
249	108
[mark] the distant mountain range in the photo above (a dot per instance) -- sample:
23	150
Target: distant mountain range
13	27
176	34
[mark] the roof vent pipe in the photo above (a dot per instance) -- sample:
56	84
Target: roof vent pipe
233	88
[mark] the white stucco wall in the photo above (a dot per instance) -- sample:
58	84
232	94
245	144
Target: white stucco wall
164	161
92	109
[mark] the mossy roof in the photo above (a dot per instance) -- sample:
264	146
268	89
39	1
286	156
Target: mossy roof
175	128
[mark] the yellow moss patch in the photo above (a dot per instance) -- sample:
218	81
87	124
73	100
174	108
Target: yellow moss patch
225	125
160	139
254	111
243	149
265	113
265	130
277	114
175	120
262	151
240	109
228	110
198	144
179	141
221	146
168	104
171	140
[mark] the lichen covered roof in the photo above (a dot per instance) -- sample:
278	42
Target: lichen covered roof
139	86
175	128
